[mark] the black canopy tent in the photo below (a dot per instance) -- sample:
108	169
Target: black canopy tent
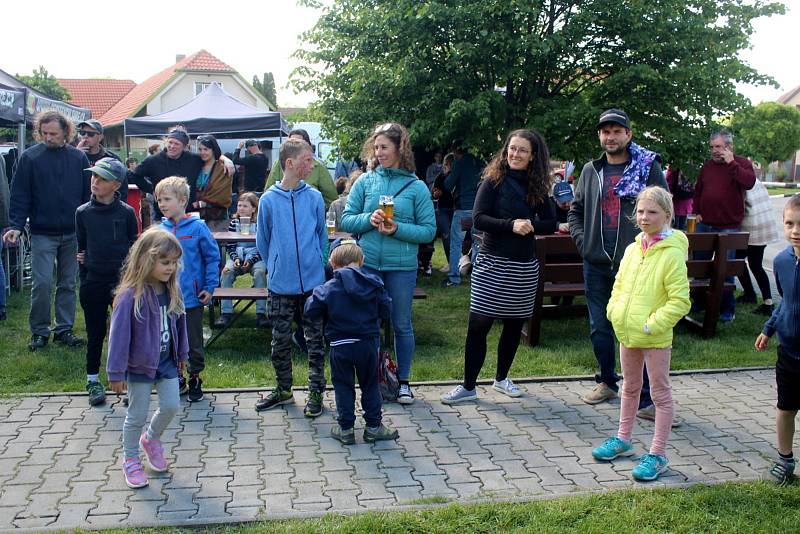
212	112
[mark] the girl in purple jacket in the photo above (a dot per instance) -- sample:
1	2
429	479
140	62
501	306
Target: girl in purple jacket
148	347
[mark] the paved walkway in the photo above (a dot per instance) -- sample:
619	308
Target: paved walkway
60	459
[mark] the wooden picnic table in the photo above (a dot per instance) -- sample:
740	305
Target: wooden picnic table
236	237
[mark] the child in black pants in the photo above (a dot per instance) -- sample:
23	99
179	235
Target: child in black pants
106	228
352	305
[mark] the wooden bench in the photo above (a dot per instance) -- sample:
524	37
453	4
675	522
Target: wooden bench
707	278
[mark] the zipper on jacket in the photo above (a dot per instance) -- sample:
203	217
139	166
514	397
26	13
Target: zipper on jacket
619	217
630	297
296	244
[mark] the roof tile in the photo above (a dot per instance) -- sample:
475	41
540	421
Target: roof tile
98	95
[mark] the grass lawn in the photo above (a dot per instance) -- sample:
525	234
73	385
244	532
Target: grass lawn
782	190
732	507
240	357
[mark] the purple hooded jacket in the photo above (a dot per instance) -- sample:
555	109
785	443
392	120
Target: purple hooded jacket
134	345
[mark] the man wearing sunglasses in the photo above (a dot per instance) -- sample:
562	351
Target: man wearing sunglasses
90	140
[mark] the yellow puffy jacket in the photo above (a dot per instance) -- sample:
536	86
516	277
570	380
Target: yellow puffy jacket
651	292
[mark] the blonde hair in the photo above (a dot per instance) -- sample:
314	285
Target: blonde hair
345	254
177	185
155	243
251	198
661	197
354	176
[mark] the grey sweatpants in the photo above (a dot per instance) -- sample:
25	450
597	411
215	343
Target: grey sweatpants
169	402
47	251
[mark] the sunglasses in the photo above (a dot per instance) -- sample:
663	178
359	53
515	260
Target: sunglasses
84	133
384	127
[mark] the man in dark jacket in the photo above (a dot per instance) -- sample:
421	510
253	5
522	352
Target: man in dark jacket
600	221
4	194
463	182
90	140
49	184
255	165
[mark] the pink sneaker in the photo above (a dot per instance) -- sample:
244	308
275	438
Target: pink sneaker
154	452
135	476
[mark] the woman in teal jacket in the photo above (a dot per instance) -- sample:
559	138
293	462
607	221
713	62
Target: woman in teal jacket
390	243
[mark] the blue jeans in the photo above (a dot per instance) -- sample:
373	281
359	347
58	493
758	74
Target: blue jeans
599	281
400	286
456	240
728	304
359	359
229	274
2	280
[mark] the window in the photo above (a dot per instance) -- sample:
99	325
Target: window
200	86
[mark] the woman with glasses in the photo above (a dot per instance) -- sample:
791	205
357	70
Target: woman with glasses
392	212
213	185
511	208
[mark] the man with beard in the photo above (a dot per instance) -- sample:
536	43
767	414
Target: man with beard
90	140
48	186
601	224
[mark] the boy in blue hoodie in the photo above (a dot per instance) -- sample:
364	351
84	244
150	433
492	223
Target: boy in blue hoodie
291	235
199	275
353	304
785	320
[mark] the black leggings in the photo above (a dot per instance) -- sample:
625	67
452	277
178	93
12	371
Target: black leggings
755	260
475	353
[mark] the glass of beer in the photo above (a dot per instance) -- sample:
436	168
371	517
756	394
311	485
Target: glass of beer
387	205
691	223
330	222
244	225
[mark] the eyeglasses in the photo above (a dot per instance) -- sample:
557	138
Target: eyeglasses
384	127
85	133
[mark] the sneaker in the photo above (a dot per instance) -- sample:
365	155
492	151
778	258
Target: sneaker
278	396
764	309
68	338
427	271
223	320
727	317
447	283
612	448
97	393
444	269
135	476
650	466
300	342
782	470
600	393
507	387
125	401
183	387
382	433
348	437
154	452
458	395
262	321
404	396
649	413
37	342
195	388
314	405
746	299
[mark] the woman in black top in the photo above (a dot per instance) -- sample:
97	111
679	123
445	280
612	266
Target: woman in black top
511	207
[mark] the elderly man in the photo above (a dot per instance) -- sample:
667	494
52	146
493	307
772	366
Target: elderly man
601	224
719	198
49	184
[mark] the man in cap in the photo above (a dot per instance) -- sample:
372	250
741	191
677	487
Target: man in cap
105	228
601	224
90	140
255	165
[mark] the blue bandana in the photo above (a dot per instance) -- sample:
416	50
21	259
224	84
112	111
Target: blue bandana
634	179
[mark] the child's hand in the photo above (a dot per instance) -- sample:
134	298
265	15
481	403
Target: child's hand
762	341
117	386
81	256
181	367
204	297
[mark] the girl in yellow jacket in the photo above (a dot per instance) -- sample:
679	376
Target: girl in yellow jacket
650	295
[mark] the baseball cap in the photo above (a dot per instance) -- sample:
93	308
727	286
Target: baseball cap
93	124
616	116
109	169
562	192
251	142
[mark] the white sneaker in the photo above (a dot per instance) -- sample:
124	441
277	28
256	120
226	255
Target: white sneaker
507	387
458	395
404	396
444	269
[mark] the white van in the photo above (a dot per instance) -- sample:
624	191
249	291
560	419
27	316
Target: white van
323	147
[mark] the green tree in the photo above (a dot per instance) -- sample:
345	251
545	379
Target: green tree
45	83
266	86
474	69
767	132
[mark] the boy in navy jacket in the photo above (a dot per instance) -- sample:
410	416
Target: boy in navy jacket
291	236
199	275
352	305
785	321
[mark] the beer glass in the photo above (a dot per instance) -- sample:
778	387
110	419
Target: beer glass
244	225
387	205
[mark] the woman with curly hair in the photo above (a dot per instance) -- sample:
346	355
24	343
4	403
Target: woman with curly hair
392	212
511	207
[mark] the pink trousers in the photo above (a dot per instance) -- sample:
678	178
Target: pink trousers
633	361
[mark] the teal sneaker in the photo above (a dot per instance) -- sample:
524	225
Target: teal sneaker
650	466
782	471
97	393
612	448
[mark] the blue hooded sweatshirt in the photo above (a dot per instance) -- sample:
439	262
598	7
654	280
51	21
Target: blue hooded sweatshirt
785	319
353	303
200	257
292	238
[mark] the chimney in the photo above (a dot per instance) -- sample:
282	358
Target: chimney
179	57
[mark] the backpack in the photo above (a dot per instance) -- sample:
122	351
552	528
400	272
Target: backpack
387	377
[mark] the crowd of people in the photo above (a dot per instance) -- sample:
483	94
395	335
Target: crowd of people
625	215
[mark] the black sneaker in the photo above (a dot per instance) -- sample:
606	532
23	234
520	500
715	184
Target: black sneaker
97	393
183	387
262	321
277	397
314	405
37	342
764	309
223	320
68	338
746	299
195	388
447	283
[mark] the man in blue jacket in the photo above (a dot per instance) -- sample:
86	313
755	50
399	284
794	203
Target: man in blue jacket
463	182
49	184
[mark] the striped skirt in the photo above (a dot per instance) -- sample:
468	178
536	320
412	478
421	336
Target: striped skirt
503	288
